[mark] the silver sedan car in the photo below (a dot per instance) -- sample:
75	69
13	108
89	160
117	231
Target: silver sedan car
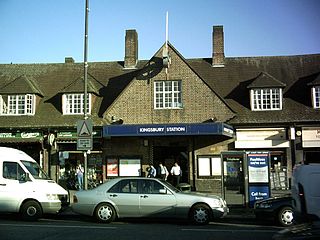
147	197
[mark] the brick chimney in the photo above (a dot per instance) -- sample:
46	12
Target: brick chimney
217	46
68	60
131	49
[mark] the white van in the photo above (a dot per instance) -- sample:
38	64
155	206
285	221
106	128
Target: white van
25	188
306	191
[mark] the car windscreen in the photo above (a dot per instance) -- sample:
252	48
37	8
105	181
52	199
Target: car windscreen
35	170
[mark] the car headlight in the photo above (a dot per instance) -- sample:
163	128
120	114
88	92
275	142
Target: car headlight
52	197
217	203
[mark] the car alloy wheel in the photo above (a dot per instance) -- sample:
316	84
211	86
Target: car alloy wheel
200	214
285	216
105	213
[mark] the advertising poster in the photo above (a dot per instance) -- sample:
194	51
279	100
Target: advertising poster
258	167
257	193
130	167
112	167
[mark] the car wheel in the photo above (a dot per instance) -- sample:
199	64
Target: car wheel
285	216
31	211
200	214
105	213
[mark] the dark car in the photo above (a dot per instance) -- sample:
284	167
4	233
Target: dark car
279	209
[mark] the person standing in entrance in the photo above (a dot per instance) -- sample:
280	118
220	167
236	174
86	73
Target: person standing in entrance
163	172
176	173
80	171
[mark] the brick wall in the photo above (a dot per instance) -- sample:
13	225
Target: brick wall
135	104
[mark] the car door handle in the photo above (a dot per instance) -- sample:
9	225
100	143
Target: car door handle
144	196
3	184
113	195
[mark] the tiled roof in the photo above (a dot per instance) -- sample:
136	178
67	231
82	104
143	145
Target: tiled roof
108	79
232	81
20	85
265	80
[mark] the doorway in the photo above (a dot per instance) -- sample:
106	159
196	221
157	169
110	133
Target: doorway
233	178
168	155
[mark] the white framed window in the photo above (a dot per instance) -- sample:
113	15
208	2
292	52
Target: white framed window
167	95
316	97
23	104
266	99
73	103
209	166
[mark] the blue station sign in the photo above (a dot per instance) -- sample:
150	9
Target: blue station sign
168	129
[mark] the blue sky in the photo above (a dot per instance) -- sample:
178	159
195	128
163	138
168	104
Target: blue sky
47	31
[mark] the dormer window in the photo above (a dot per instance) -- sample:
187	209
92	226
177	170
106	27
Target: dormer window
74	103
316	97
263	99
22	104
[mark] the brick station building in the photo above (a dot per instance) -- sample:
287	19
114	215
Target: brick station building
220	118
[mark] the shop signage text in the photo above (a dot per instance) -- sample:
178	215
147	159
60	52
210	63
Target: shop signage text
23	135
168	129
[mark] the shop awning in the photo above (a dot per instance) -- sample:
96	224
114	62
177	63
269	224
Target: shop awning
216	128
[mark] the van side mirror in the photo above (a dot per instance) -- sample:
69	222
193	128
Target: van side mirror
24	177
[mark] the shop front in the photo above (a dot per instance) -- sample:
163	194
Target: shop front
66	159
311	144
30	142
276	142
130	149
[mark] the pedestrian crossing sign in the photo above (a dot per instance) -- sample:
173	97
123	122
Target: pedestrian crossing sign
84	132
84	128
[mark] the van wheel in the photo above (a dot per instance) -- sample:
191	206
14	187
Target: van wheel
285	216
105	213
31	211
200	214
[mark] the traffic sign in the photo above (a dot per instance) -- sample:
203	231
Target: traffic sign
84	128
84	132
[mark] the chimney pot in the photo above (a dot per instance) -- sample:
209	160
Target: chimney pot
131	49
217	46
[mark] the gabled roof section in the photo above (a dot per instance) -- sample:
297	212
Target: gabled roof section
171	47
21	85
265	80
77	85
315	82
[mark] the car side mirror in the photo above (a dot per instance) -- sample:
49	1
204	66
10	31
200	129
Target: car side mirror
163	191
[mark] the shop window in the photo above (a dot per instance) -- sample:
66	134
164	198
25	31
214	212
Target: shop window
266	99
316	97
209	166
167	95
17	104
74	103
129	167
278	172
312	157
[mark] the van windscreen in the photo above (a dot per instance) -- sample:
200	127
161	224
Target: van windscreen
35	170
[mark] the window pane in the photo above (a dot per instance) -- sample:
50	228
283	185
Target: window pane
167	94
317	97
204	166
266	99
